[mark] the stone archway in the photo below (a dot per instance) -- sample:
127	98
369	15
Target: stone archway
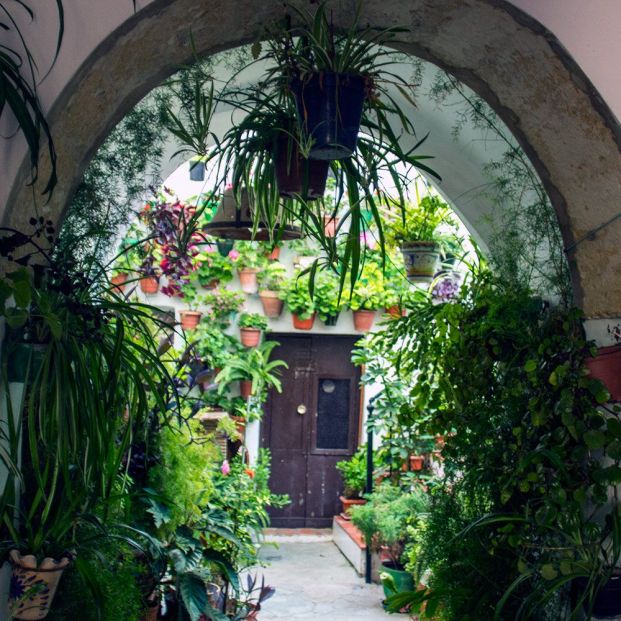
511	60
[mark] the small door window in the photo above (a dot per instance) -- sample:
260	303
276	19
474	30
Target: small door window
333	413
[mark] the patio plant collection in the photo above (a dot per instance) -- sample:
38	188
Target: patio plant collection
127	492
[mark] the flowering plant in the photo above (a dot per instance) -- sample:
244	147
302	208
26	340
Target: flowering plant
247	254
222	304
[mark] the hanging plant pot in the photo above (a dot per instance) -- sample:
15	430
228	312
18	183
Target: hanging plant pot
329	107
297	176
248	279
225	246
118	282
250	337
331	320
417	463
303	324
197	170
149	285
607	603
421	260
33	587
272	304
348	503
274	255
363	320
606	367
245	388
330	224
190	319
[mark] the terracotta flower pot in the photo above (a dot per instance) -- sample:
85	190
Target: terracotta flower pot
606	367
348	503
248	280
274	255
245	388
33	587
417	463
363	320
329	226
118	282
421	260
212	284
272	304
396	312
304	324
149	285
190	319
250	337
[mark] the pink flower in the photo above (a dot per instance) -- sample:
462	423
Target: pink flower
225	468
234	254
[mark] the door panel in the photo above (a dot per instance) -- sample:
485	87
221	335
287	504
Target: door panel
306	446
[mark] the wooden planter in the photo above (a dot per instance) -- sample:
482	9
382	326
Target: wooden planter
118	282
363	320
303	324
245	388
250	337
149	285
606	367
33	586
348	503
421	259
248	279
190	319
272	304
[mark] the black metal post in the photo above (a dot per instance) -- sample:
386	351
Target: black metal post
369	485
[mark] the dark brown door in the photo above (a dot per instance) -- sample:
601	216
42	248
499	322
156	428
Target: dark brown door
311	425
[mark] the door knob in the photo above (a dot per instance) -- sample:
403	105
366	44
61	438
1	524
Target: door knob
301	409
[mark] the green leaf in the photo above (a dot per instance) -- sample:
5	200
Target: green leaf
255	50
614	427
16	317
548	572
595	439
22	293
613	450
530	366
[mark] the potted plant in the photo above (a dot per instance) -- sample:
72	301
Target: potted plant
190	317
327	297
254	370
271	280
251	326
296	296
419	236
367	296
423	446
212	269
248	260
222	305
354	473
149	275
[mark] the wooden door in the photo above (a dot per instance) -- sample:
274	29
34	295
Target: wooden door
311	425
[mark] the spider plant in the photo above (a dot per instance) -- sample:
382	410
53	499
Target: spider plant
18	87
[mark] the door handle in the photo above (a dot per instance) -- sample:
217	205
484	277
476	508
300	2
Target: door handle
301	409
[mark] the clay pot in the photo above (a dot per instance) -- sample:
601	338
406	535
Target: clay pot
189	319
149	285
274	255
212	284
421	260
33	587
417	463
363	320
272	304
118	282
396	312
245	388
248	279
250	337
329	226
606	367
348	503
303	324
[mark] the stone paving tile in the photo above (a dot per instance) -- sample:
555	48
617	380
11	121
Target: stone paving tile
314	582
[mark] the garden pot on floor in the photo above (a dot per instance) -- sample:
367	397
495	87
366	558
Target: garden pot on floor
33	587
190	319
248	280
297	176
348	503
303	324
606	367
421	260
245	388
330	109
149	285
250	337
363	320
403	580
272	304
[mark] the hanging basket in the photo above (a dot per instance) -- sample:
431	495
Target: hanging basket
33	587
149	285
297	176
363	320
421	260
330	107
189	319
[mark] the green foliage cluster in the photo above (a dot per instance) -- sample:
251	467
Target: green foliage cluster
296	295
210	267
327	295
272	276
253	320
354	473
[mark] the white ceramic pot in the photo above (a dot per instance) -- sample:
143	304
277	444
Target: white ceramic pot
421	260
